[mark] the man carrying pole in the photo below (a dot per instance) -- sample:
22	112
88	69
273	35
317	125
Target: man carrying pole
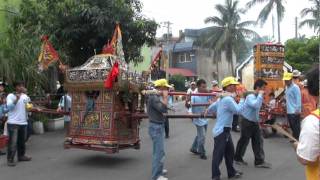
250	127
225	108
156	107
200	123
293	101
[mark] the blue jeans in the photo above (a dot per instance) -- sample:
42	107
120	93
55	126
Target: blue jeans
199	140
156	132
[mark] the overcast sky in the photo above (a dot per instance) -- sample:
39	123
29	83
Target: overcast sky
191	14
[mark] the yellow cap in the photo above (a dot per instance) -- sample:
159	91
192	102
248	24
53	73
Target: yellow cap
287	76
229	81
162	83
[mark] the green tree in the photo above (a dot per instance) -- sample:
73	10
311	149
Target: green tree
229	34
265	12
77	29
81	28
18	59
314	12
302	53
178	81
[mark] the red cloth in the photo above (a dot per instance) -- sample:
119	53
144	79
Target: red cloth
108	82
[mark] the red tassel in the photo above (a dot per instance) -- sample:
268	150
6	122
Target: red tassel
108	82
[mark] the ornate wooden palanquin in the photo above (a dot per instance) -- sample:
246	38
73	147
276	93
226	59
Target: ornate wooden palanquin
99	116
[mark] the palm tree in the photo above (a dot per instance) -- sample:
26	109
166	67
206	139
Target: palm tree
229	34
314	21
265	12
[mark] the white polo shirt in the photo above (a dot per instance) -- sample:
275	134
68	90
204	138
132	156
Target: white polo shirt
17	115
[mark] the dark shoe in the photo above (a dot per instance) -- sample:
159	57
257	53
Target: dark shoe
237	175
11	163
204	157
216	178
24	158
241	163
167	136
2	153
236	129
263	165
194	152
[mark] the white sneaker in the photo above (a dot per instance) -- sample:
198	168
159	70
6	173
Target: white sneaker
164	172
162	178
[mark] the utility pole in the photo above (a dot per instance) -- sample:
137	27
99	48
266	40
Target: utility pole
167	25
296	27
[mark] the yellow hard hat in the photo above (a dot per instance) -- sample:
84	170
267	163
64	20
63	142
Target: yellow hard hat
229	81
162	83
287	76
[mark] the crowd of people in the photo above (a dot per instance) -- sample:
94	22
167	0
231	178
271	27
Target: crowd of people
301	101
232	103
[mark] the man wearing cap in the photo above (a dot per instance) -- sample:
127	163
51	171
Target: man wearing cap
156	107
250	127
293	102
225	108
296	75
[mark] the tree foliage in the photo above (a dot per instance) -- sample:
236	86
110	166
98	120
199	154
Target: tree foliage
302	53
81	27
314	20
77	29
178	81
267	9
228	34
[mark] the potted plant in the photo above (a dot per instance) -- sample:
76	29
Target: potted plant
38	123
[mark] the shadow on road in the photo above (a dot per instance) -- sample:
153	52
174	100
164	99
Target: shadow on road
102	161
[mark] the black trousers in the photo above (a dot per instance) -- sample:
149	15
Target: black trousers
17	138
235	121
250	130
166	127
223	147
294	122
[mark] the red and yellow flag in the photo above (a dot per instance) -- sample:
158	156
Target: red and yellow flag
116	43
48	54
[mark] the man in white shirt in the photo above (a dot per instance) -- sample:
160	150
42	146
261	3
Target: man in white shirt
17	124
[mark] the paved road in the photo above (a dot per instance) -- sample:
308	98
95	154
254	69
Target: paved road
52	162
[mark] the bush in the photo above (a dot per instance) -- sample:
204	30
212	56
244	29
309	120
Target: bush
178	81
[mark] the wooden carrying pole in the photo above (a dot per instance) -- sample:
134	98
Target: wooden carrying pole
283	132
